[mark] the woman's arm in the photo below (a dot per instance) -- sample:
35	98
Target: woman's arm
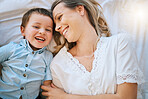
124	91
47	82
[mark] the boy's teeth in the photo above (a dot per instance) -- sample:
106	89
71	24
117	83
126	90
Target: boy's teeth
39	39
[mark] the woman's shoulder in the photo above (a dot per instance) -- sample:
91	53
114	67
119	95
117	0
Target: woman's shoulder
124	39
114	41
118	38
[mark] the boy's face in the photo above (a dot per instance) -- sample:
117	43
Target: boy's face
38	31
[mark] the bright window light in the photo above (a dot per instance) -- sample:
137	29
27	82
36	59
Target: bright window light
140	13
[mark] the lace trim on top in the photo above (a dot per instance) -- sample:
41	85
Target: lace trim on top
92	77
136	77
79	67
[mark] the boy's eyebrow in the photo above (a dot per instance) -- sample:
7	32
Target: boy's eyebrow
50	26
37	23
40	23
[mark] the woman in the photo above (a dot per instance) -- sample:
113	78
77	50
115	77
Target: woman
91	66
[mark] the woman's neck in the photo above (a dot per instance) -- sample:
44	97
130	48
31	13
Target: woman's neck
86	45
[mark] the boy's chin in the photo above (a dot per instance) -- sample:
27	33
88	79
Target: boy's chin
36	48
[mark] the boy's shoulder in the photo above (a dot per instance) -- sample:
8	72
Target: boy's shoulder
11	44
47	54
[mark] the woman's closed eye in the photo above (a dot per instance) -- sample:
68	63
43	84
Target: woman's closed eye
60	17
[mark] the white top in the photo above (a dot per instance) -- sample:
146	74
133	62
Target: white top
115	63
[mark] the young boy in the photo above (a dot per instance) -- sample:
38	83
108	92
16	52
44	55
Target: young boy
26	65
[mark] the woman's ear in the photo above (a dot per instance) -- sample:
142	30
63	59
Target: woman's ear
80	9
22	30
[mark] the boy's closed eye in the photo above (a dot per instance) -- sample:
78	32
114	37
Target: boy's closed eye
48	30
37	27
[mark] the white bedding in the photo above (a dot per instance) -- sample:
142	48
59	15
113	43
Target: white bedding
11	12
131	16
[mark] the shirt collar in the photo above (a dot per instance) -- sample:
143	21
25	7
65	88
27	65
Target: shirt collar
25	44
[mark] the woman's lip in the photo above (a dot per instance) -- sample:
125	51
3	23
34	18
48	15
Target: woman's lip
64	33
64	30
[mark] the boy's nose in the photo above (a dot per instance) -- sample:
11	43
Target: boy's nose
42	31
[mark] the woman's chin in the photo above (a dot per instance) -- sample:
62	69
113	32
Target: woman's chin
69	39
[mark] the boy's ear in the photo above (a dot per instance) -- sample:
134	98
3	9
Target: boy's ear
80	9
22	30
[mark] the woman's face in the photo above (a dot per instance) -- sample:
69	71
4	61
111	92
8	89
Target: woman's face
68	22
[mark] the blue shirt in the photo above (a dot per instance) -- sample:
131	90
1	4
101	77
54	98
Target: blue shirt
23	70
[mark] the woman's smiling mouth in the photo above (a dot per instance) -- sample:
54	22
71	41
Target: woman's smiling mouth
65	30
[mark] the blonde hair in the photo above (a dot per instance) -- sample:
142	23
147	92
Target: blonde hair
95	16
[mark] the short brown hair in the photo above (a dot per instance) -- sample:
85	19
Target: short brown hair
41	11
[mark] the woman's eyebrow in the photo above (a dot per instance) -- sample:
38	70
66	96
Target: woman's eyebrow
56	15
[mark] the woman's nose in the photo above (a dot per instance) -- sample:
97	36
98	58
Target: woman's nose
58	28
